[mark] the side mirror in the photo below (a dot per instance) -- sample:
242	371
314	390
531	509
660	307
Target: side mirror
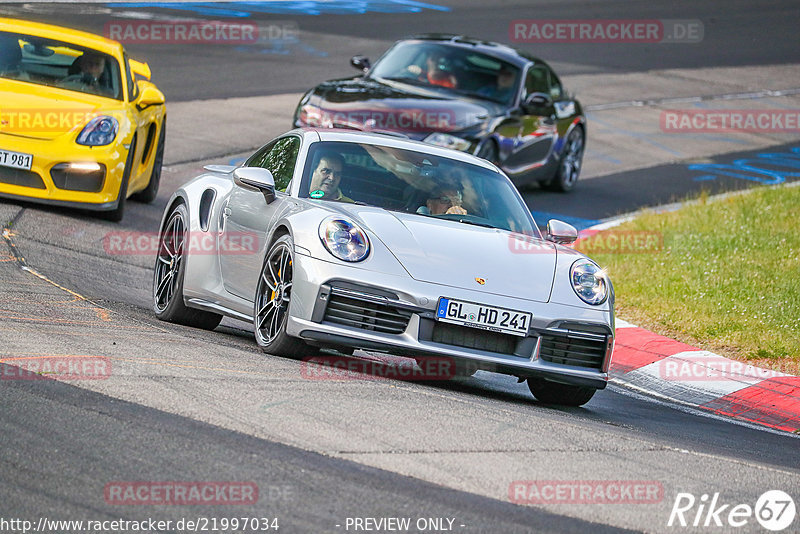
141	71
256	178
361	63
149	95
560	232
537	101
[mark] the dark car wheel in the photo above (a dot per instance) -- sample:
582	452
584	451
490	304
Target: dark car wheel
149	193
489	152
273	295
169	273
118	212
569	168
553	393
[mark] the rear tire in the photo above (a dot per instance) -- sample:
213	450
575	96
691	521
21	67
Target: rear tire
554	393
271	303
169	273
149	193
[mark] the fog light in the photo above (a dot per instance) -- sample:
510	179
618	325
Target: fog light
87	177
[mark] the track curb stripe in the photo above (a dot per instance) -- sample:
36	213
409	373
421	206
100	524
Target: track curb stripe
643	358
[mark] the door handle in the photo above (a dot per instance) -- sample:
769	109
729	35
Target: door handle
223	218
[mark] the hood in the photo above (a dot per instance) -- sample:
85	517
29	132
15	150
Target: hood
455	254
368	104
49	112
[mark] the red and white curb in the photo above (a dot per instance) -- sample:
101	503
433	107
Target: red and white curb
670	369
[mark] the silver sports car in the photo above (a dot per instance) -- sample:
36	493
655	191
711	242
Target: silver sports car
350	240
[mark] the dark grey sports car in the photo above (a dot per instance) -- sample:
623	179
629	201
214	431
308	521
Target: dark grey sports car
485	98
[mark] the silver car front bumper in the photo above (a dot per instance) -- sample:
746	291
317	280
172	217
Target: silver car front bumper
340	305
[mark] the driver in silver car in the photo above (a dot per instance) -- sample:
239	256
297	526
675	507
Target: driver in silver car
326	178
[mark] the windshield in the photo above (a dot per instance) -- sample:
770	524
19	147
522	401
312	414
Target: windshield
451	69
415	183
54	63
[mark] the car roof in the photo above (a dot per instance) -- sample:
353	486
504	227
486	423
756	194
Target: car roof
60	33
393	141
511	55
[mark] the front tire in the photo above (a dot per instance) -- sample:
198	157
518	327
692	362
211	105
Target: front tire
554	393
271	303
569	168
169	273
149	193
118	212
489	152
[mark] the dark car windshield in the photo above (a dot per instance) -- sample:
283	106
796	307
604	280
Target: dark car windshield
451	69
414	182
59	64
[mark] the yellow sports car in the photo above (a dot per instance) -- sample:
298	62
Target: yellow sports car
80	123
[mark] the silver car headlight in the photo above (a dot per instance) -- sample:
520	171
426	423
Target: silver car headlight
99	131
589	282
344	238
447	141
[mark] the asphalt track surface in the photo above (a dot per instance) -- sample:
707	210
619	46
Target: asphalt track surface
190	405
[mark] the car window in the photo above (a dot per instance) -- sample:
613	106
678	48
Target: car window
537	81
556	91
55	63
415	183
133	89
450	69
279	157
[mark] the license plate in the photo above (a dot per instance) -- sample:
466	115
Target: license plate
483	317
15	160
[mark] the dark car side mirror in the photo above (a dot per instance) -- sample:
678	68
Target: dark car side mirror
537	102
361	63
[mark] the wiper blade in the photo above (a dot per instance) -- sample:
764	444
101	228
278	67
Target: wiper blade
474	223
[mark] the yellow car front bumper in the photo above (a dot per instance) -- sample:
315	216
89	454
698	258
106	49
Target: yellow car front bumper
64	172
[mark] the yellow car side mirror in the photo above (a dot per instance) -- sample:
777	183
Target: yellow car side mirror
149	95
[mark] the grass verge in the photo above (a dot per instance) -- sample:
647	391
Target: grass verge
721	275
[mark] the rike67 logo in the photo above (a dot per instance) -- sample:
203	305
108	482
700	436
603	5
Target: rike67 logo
774	510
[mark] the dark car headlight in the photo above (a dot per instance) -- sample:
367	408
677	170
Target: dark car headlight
99	131
589	282
344	238
448	141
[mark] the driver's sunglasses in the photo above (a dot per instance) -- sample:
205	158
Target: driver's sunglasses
325	171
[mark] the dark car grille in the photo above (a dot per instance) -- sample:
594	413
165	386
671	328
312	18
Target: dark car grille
573	350
473	338
21	177
373	316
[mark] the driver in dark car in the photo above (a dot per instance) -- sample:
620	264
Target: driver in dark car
434	73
